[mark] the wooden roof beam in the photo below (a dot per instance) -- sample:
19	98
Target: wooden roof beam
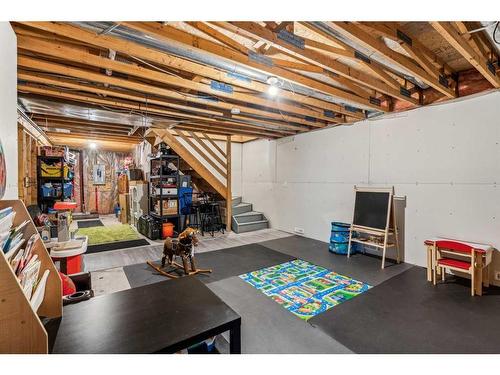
29	76
458	42
143	52
366	40
153	110
50	80
324	61
348	52
89	136
392	31
230	124
104	63
170	33
217	35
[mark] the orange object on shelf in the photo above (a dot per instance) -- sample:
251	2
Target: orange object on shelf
167	230
64	206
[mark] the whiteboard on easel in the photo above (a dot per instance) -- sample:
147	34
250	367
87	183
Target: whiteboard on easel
372	207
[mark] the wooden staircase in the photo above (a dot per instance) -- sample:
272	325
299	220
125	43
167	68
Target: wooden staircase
210	165
245	219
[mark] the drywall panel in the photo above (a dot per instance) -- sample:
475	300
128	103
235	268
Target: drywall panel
457	142
312	207
259	161
8	106
331	155
466	211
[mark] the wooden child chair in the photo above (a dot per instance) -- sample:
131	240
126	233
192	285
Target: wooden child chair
466	264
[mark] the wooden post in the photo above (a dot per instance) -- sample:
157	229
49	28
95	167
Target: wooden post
33	164
229	196
21	163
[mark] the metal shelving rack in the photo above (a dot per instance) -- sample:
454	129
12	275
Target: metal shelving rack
158	177
47	202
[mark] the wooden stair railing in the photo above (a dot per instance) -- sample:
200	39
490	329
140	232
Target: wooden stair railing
209	153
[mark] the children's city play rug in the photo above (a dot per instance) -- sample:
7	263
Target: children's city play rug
304	288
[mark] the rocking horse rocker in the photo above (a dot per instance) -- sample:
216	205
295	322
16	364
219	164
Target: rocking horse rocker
183	247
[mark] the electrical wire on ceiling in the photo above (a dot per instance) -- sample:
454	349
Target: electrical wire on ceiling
495	33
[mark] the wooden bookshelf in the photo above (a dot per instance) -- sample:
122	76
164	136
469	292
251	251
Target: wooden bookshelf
21	326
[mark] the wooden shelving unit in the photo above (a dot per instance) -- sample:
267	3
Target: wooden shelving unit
21	328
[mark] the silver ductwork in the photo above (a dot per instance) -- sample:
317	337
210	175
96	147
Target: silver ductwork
196	55
376	56
492	30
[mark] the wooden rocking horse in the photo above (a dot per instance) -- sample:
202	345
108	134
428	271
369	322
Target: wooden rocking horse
183	247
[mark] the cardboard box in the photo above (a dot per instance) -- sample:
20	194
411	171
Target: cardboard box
169	207
122	184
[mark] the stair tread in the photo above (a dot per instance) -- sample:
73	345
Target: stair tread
249	213
254	222
242	204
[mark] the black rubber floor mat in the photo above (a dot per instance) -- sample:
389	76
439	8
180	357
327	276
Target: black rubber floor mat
224	263
115	245
407	314
89	223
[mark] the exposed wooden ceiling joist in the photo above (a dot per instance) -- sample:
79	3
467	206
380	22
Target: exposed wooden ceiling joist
141	98
164	59
325	62
357	34
170	33
97	61
457	41
46	66
411	45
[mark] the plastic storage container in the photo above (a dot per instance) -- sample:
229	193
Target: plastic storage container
167	230
339	238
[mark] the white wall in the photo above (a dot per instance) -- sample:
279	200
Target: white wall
8	105
445	159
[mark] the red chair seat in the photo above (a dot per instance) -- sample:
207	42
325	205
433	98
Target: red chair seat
454	263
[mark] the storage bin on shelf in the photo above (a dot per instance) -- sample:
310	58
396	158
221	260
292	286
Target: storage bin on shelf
51	170
50	190
68	189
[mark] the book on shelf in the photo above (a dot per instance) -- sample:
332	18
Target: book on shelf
5	211
29	275
5	225
23	261
14	234
14	249
39	291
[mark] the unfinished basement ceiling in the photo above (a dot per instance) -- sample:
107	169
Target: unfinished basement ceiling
217	77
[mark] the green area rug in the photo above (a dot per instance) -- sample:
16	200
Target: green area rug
303	288
107	234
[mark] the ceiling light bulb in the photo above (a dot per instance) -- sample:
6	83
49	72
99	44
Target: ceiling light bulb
235	111
273	90
92	145
272	80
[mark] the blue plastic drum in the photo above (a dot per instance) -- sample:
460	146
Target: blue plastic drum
339	238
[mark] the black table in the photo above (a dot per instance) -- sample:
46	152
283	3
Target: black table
158	318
